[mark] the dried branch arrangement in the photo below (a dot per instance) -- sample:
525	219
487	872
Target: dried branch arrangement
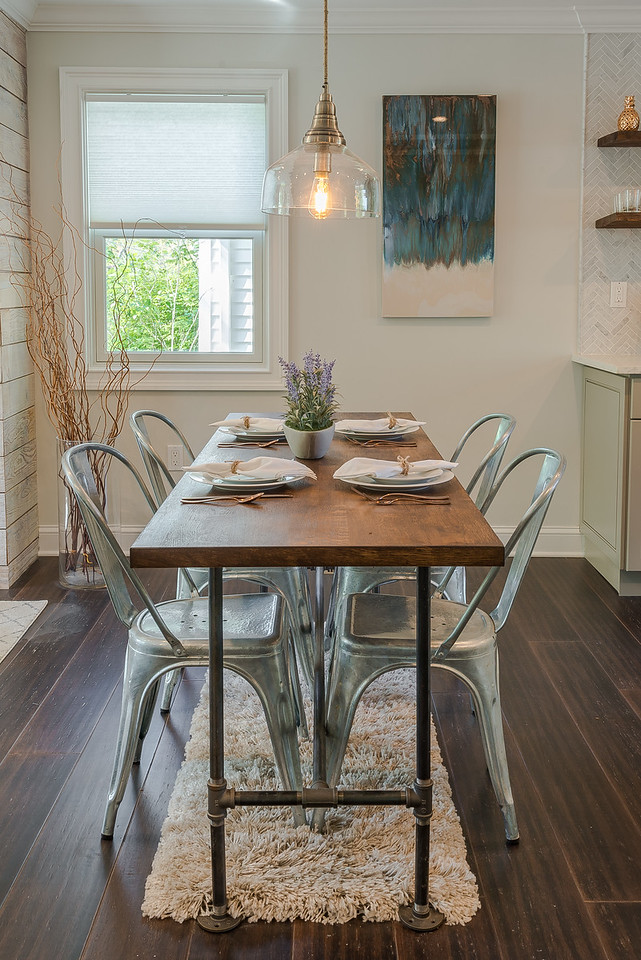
51	283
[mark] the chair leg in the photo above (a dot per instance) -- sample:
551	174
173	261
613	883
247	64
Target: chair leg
297	692
349	677
270	678
147	716
293	585
481	677
168	687
138	675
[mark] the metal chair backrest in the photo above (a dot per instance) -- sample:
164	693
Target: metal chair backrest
521	542
123	583
487	470
160	478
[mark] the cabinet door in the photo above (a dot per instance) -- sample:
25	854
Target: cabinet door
633	546
603	460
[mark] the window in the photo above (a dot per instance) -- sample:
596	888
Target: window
162	175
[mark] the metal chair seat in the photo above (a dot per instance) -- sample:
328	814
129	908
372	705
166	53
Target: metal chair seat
290	582
450	581
175	633
378	633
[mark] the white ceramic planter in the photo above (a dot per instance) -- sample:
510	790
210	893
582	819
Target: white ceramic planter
309	444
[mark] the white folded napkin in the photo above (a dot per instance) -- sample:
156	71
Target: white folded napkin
257	424
376	426
367	467
261	468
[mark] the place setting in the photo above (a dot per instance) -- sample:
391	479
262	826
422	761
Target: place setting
385	482
247	481
377	432
247	431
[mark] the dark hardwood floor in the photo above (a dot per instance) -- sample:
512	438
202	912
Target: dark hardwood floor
570	890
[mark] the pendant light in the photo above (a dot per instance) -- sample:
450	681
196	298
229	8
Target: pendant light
322	178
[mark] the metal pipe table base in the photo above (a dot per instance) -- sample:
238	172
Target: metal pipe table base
421	915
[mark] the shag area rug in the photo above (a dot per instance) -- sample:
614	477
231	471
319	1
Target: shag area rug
363	866
16	616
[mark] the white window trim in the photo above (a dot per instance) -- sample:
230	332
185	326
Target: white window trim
75	84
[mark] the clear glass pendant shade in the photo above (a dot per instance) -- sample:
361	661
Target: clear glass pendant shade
321	181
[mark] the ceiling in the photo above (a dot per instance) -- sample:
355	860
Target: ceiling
345	16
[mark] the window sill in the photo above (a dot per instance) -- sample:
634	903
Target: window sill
195	380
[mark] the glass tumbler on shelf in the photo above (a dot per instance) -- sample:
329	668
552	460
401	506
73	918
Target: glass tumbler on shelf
627	201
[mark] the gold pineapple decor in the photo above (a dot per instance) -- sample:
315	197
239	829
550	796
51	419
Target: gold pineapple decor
628	118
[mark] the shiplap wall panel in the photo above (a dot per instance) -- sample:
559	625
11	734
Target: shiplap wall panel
13	113
18	430
16	396
17	466
18	501
18	483
14	183
12	293
13	76
13	324
10	571
13	218
14	255
14	40
15	361
20	534
15	148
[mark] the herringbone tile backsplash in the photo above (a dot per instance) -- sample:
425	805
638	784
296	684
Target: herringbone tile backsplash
613	72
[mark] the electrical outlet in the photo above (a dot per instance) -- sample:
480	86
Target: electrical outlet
175	456
618	293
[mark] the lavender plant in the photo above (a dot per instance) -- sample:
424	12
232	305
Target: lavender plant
311	394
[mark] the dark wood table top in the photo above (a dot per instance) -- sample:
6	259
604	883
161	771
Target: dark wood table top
325	523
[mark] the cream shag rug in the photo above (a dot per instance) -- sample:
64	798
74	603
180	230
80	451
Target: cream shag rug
16	616
364	866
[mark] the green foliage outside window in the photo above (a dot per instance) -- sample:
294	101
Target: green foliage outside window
154	281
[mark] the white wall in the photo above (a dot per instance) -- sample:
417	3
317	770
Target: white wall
447	372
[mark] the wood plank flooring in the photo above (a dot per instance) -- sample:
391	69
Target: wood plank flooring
570	890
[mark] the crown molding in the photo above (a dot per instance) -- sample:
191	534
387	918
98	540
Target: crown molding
378	17
607	19
20	11
245	16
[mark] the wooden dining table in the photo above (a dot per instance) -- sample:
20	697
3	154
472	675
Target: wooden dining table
325	523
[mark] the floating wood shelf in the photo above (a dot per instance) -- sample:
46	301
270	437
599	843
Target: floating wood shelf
621	138
619	220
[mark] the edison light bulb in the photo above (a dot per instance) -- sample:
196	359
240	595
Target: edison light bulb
319	199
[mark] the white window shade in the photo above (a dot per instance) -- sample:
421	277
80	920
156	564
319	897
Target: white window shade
175	162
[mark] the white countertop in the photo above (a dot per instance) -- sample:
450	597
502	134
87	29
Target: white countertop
626	365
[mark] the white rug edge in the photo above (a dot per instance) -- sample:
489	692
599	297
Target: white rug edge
14	624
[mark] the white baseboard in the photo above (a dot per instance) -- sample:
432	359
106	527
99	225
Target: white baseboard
552	541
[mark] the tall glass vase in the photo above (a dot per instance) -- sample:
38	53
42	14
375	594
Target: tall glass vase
77	564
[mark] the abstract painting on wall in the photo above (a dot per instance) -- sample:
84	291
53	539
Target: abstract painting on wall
438	206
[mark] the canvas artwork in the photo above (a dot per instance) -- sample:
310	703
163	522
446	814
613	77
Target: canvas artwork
438	206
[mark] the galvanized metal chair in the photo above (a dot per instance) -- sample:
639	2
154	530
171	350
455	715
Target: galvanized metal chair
378	633
166	636
348	580
291	582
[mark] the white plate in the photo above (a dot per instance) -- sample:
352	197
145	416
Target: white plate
393	434
243	484
369	483
254	435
